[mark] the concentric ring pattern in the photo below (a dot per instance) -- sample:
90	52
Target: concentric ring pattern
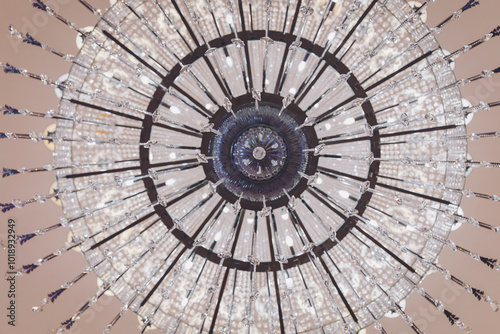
192	251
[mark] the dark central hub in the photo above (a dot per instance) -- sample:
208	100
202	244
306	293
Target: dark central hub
259	152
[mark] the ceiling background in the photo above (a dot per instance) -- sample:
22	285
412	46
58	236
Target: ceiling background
21	92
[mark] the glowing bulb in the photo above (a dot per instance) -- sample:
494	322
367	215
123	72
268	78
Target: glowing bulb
343	194
302	66
188	265
349	121
145	80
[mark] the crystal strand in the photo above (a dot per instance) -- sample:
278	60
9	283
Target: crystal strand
335	32
269	305
478	294
326	11
175	326
393	84
311	179
308	247
164	44
453	319
257	97
266	41
210	128
427	163
388	39
463	82
155	174
139	290
366	56
319	321
292	200
122	104
54	295
423	206
64	222
49	168
326	286
380	9
372	279
229	106
69	323
123	309
43	198
163	200
213	186
316	150
428	233
73	59
254	293
171	23
179	223
438	304
432	31
89	37
211	52
225	252
287	292
266	210
117	30
429	117
441	186
360	301
287	100
328	229
348	212
145	22
203	237
91	140
51	12
179	268
70	87
211	293
77	119
492	263
166	293
239	44
147	321
226	329
306	11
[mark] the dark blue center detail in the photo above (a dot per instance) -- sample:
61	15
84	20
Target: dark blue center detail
259	153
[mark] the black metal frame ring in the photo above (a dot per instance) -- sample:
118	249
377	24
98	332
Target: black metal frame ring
349	222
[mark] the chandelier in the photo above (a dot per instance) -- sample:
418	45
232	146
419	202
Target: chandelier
257	166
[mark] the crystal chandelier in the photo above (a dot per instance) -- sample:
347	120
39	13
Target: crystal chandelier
258	166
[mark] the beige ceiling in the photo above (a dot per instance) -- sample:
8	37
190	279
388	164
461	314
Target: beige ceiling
24	93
